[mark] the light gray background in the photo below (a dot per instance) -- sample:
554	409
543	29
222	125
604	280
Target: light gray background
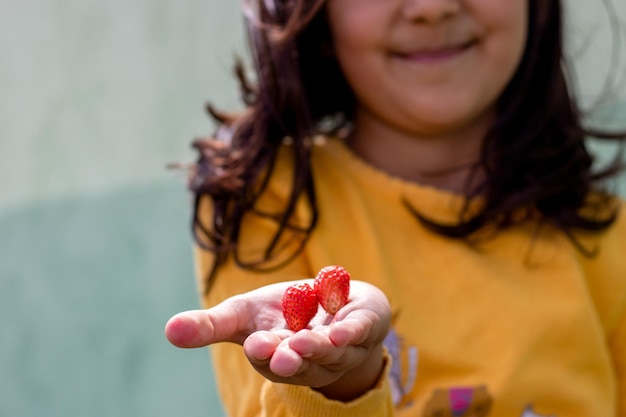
96	99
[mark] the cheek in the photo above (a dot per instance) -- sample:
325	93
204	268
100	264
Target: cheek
510	28
511	17
518	22
356	49
354	24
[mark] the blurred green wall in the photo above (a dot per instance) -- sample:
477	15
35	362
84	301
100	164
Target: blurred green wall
97	98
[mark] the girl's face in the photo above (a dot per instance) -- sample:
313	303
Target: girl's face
428	67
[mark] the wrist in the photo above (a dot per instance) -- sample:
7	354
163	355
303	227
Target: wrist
357	381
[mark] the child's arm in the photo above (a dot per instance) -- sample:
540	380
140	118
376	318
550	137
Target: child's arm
340	357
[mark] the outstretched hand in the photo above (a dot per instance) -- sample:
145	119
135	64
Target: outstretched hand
339	355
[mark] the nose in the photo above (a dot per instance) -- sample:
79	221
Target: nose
430	11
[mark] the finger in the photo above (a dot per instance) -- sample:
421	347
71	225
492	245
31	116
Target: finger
285	362
198	328
260	346
354	330
311	344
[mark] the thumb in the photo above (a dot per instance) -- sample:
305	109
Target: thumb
199	328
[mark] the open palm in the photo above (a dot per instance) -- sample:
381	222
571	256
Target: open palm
331	349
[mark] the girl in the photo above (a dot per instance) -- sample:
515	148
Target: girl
433	149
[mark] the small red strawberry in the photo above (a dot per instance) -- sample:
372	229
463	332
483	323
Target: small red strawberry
332	286
299	306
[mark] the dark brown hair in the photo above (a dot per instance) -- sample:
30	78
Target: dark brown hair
534	157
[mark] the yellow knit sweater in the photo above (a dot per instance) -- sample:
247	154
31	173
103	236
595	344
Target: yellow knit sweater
521	324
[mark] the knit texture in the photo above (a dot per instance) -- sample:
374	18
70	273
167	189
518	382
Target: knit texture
517	322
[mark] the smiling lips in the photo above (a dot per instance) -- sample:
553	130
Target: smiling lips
434	54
